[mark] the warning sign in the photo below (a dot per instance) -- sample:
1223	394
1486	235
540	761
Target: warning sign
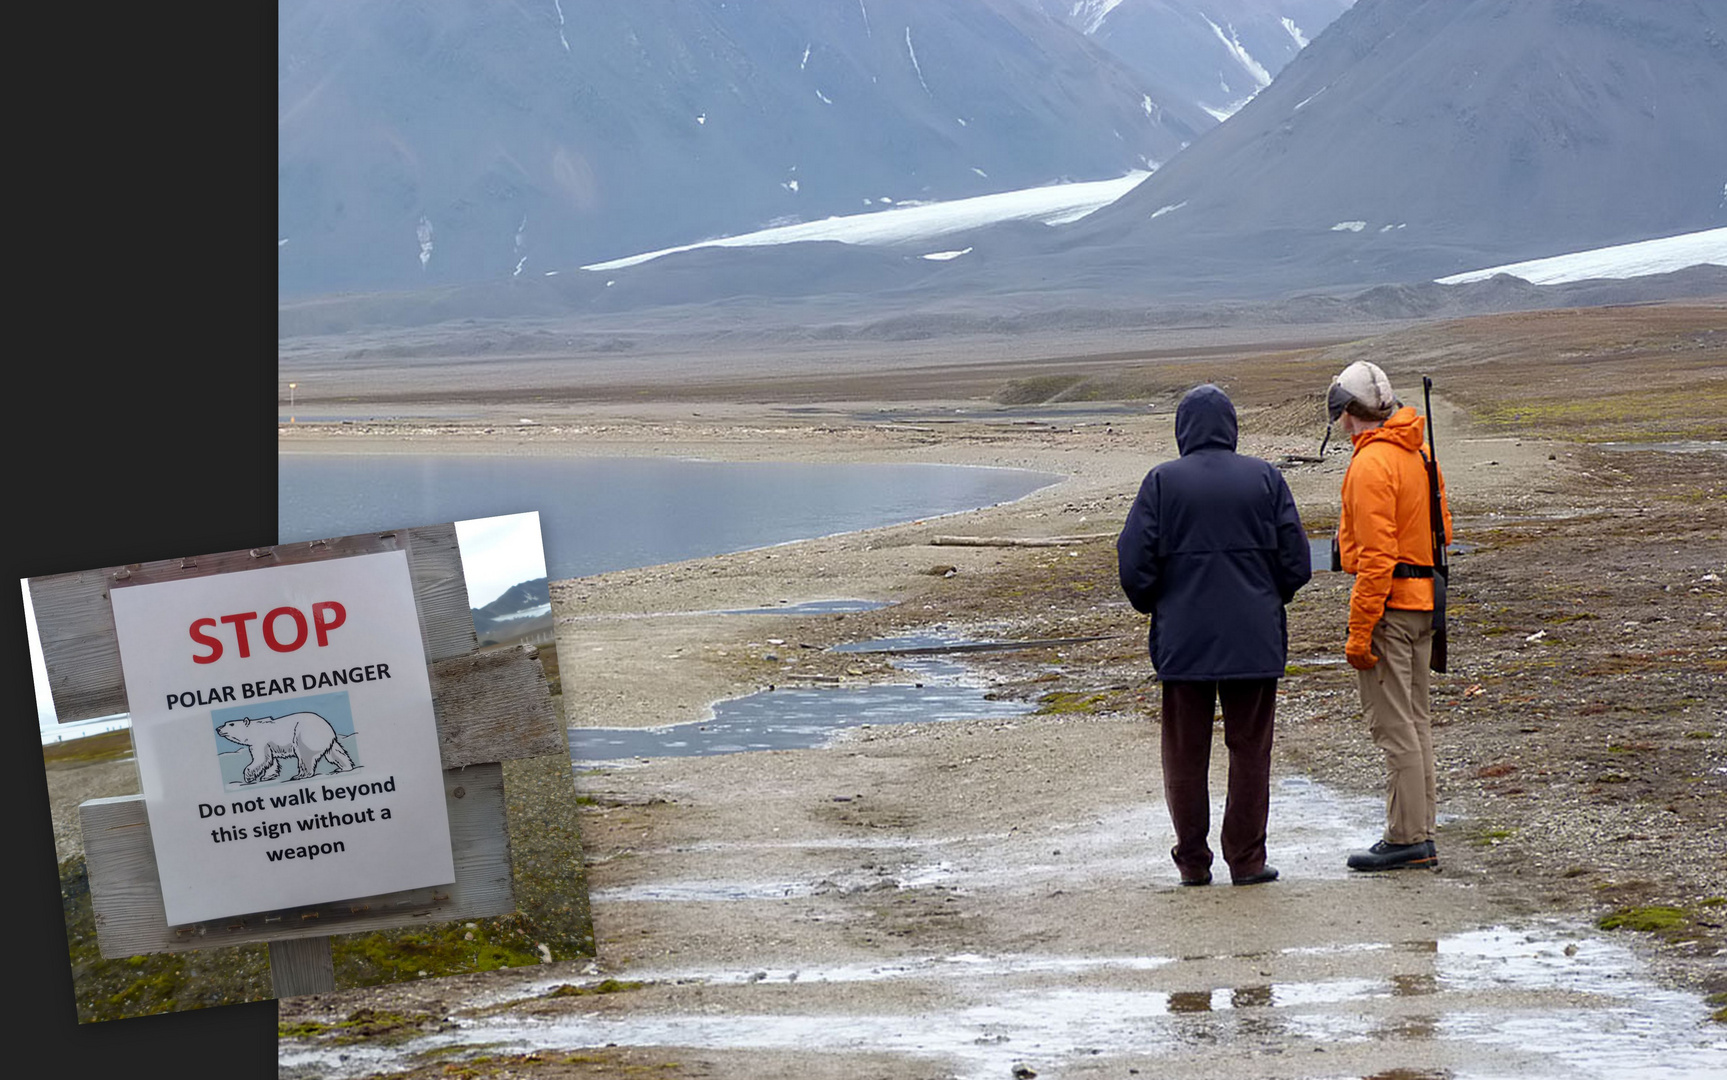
285	736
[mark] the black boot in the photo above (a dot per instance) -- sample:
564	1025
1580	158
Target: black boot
1420	855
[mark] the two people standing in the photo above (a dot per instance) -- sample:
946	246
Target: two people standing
1214	550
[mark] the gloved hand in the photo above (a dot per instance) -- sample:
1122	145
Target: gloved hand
1360	654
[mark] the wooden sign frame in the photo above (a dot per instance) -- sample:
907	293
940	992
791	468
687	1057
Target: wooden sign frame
490	707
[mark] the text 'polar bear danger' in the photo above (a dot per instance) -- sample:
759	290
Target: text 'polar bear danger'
287	684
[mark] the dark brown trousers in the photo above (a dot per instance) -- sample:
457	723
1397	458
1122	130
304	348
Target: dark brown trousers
1188	710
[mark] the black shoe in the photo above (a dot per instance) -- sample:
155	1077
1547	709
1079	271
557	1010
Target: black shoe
1420	855
1201	877
1266	873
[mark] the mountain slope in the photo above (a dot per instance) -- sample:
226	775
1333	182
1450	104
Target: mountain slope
444	141
1418	138
1216	53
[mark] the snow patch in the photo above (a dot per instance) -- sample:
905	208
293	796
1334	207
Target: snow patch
701	118
791	186
825	99
1295	32
961	121
1349	226
1658	256
944	256
806	60
566	41
1232	42
1171	208
974	169
914	64
1220	115
912	221
866	18
284	239
424	232
517	272
1310	97
1091	13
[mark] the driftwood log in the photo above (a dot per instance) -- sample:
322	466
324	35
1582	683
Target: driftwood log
1016	541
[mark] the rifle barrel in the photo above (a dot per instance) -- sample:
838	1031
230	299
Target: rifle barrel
1427	400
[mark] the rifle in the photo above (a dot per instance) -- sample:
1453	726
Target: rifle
1436	517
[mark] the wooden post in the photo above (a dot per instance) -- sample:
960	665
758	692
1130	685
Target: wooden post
302	966
490	707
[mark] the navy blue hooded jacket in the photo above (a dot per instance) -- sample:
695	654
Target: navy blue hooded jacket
1212	551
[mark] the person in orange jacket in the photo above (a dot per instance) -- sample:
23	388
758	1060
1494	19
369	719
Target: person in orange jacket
1385	538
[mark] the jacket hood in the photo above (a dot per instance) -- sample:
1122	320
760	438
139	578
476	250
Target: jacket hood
1205	420
1403	428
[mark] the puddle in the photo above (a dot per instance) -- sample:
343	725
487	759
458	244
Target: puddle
1545	1001
812	607
959	966
1684	446
1319	551
802	718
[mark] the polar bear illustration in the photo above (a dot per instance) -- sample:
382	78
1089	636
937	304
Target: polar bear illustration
305	736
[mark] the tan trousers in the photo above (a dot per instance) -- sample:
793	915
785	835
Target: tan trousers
1395	697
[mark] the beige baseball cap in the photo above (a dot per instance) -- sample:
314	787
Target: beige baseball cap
1365	384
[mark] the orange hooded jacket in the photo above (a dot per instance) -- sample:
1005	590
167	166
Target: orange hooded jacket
1386	521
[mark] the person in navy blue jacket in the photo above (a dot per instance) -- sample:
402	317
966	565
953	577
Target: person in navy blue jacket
1213	550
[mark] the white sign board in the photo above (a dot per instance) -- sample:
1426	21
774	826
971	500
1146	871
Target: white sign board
283	723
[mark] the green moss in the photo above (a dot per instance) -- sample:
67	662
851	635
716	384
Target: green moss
432	951
1715	901
1617	417
305	1029
547	878
361	1025
1699	734
1064	702
1652	919
604	986
1489	837
110	989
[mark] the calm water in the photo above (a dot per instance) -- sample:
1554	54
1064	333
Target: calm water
805	717
602	514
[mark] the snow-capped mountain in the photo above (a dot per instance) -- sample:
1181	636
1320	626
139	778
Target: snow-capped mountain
1414	139
457	141
1216	53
